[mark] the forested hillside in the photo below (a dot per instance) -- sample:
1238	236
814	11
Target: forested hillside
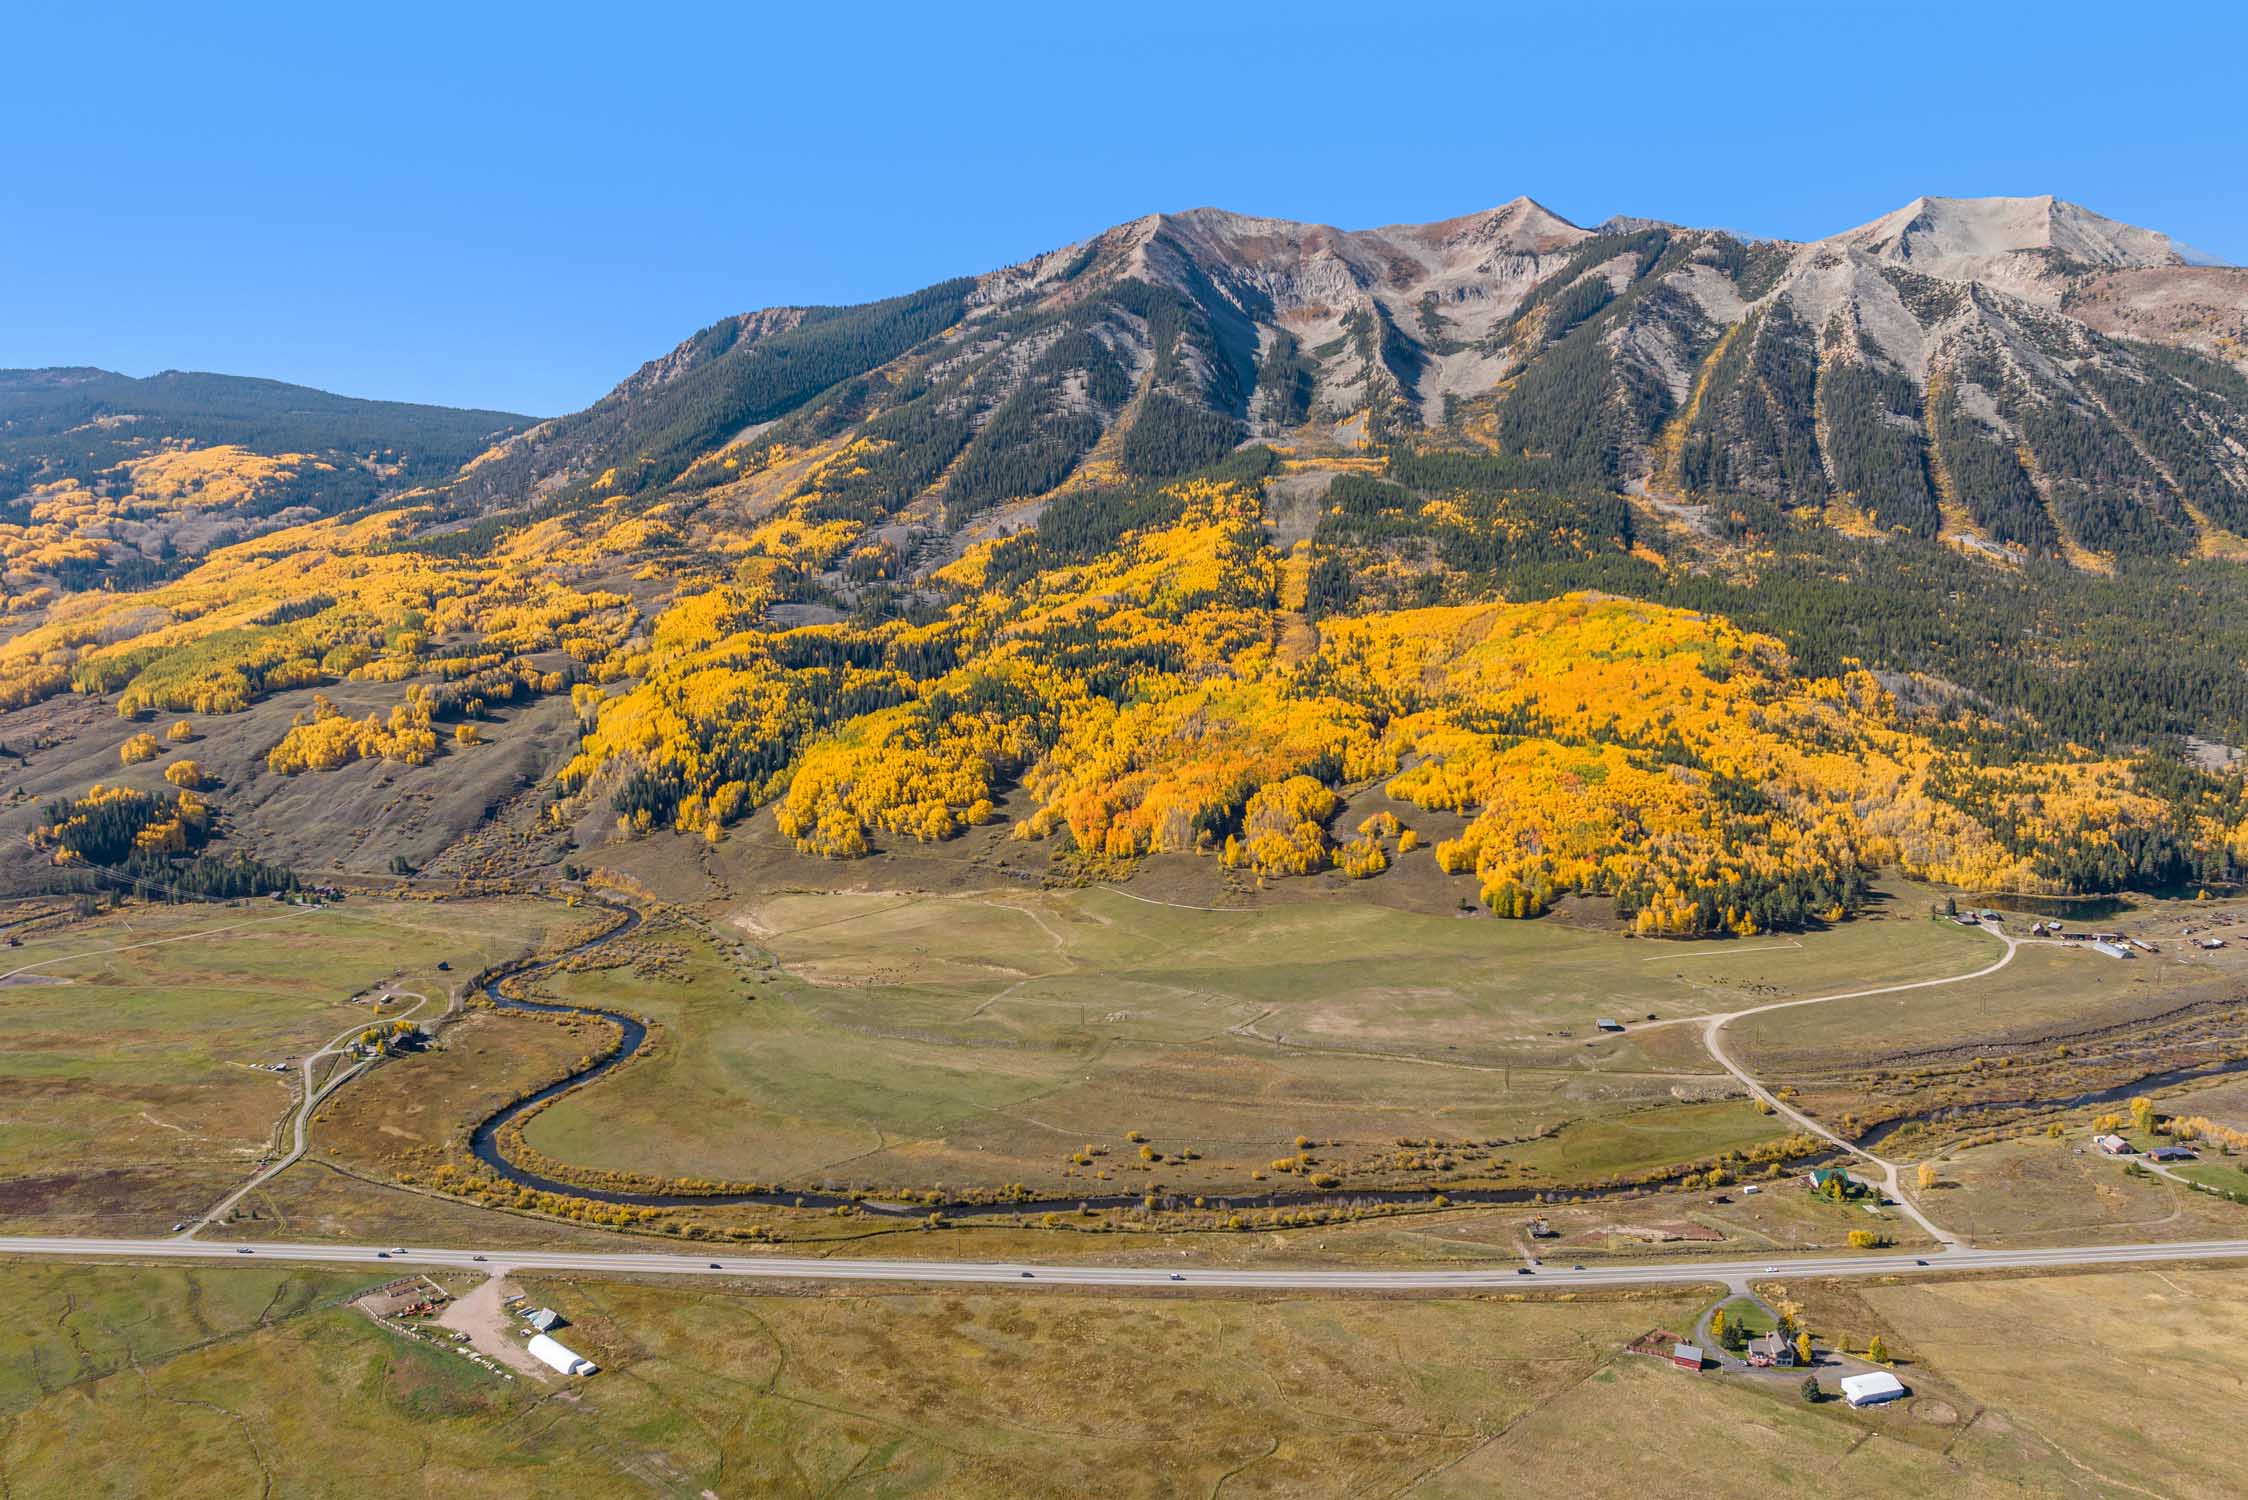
1699	575
109	481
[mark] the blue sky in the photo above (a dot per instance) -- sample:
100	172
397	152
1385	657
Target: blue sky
513	207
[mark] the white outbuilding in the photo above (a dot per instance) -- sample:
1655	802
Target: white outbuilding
552	1353
1871	1390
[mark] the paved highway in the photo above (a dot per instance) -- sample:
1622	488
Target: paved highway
1183	1273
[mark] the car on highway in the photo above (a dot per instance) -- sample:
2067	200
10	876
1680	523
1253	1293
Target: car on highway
1026	1275
382	1255
476	1257
398	1249
241	1249
715	1266
1576	1268
1920	1262
1524	1271
1177	1276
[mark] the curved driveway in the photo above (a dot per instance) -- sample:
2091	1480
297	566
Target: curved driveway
1713	1026
311	1100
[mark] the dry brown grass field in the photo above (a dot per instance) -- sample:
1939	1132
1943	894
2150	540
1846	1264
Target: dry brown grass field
2125	1375
232	1380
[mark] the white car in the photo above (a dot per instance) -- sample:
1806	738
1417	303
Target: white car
398	1249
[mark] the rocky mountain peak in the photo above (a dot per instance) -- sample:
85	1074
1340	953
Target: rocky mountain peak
1970	238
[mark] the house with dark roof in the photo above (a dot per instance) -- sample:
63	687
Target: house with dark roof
1770	1350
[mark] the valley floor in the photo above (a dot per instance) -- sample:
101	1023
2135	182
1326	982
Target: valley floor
266	1379
1404	1048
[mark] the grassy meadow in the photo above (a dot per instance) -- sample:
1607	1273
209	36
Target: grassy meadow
136	1047
942	1040
228	1381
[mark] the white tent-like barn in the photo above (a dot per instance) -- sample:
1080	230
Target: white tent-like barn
552	1353
1871	1390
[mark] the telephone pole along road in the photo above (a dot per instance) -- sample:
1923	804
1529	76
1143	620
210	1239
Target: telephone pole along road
1175	1277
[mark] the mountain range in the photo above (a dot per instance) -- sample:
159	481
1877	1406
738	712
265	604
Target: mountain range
2022	375
1690	570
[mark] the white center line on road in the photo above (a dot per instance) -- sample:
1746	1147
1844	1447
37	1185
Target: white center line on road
738	1263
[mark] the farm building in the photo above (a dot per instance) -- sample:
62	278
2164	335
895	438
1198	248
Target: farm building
2212	944
2113	1145
2171	1153
1871	1390
1771	1349
405	1296
1686	1356
545	1320
1606	1023
548	1352
2111	949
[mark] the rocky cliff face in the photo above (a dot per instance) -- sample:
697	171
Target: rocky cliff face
2021	374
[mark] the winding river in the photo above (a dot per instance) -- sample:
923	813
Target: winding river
484	1142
